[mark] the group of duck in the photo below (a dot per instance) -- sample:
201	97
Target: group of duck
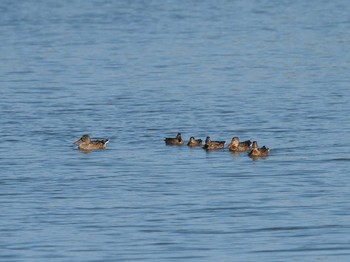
86	143
234	146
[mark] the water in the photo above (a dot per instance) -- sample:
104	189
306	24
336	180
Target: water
136	72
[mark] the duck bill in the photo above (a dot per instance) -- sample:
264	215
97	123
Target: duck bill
78	142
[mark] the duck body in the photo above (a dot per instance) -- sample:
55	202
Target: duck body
211	145
238	146
85	143
174	140
259	152
194	142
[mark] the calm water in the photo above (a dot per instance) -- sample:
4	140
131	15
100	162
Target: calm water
138	71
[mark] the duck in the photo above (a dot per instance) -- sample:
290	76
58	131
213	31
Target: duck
256	151
85	143
174	140
194	142
238	146
210	145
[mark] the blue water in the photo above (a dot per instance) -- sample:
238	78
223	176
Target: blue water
137	71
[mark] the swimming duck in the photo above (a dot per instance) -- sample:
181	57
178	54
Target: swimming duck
256	151
194	142
210	145
174	140
237	146
85	143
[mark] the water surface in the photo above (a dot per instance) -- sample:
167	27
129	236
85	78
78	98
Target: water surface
136	72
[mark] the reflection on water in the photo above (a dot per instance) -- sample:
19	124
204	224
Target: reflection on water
272	72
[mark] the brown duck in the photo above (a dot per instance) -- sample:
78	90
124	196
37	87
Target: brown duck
210	145
85	143
237	146
174	140
194	142
256	151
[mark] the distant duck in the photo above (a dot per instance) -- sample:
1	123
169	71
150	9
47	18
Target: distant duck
210	145
174	140
85	143
237	146
194	142
256	151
